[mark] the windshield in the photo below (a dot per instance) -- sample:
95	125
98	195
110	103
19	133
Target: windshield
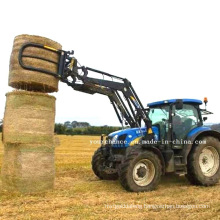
159	114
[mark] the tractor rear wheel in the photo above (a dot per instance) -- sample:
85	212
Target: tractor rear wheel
204	163
99	168
140	171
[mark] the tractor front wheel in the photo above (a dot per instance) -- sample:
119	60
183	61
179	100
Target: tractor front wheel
141	171
204	163
100	169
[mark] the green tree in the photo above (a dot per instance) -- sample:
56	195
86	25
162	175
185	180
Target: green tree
60	129
77	131
91	130
69	131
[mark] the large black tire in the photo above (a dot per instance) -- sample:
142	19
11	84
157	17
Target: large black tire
129	176
198	172
98	161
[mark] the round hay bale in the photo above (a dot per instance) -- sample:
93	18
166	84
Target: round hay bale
29	118
32	80
28	168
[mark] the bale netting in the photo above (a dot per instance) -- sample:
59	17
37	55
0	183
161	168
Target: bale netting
28	168
29	118
20	78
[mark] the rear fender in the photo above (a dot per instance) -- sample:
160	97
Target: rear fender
197	136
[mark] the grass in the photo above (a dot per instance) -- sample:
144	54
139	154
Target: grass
79	194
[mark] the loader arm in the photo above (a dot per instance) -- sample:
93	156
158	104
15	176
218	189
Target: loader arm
120	92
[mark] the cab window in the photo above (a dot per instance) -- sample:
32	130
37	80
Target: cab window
159	114
184	120
159	117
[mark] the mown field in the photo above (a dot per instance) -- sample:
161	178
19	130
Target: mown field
79	194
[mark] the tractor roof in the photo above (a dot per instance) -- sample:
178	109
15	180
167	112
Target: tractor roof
190	101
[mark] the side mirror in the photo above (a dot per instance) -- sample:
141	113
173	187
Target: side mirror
205	118
179	104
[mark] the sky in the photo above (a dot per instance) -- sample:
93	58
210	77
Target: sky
167	49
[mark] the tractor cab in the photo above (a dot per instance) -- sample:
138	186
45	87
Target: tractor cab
175	119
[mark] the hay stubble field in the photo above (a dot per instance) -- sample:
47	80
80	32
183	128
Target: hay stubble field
79	194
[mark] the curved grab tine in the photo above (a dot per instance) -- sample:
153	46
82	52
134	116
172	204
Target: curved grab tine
20	56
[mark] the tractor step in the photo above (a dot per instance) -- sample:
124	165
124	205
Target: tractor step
180	169
181	173
180	165
177	147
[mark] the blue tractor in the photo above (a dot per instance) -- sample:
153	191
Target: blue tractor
167	137
181	145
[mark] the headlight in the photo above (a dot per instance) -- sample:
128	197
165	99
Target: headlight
114	139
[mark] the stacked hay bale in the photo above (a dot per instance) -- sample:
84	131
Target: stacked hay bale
28	130
20	78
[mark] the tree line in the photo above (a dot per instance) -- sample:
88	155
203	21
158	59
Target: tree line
98	130
215	127
92	130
